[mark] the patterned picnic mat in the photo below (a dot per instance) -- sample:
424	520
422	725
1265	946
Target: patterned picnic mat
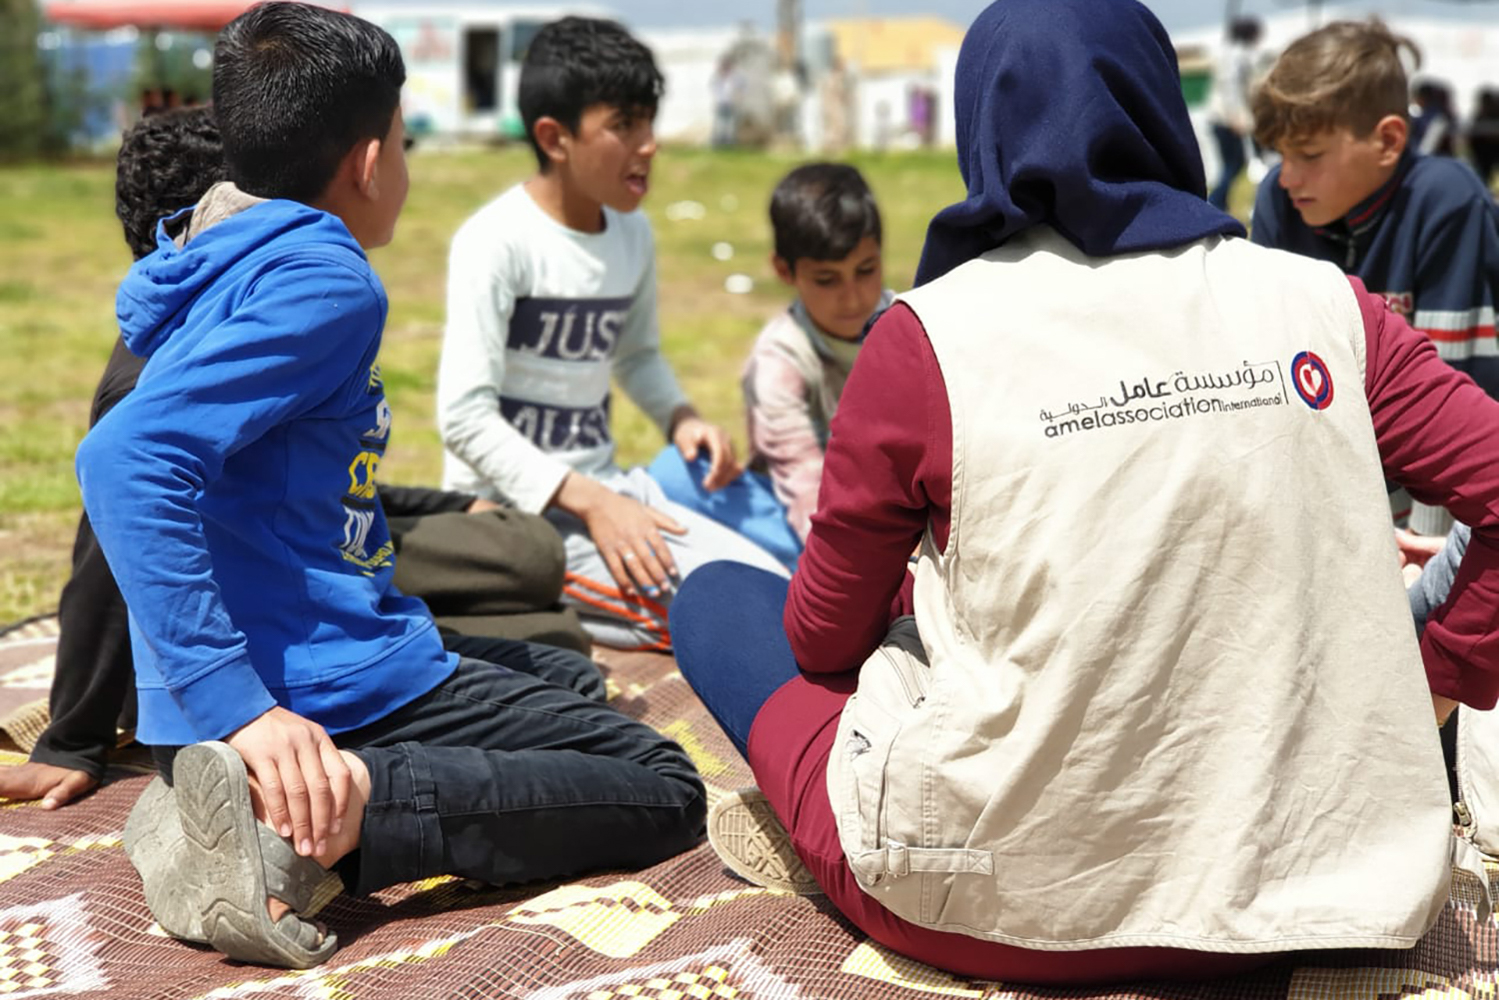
73	922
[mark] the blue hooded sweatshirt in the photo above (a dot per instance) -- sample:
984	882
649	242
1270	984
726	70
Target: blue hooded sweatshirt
234	490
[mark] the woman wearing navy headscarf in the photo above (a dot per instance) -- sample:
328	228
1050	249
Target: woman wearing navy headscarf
1158	709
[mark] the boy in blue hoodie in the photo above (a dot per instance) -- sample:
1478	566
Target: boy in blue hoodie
303	709
485	572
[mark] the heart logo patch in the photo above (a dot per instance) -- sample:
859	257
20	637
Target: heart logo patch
1312	380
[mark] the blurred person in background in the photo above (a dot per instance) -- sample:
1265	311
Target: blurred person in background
1433	123
1229	103
1483	134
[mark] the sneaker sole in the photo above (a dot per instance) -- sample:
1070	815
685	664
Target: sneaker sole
154	843
223	846
748	837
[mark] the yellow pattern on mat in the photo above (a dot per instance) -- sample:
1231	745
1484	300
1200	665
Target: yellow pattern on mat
1371	983
334	983
21	854
722	972
41	628
621	918
704	903
47	948
874	962
703	985
10	758
25	961
617	920
25	724
708	765
36	674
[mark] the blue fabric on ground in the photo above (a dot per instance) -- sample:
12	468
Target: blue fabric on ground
730	643
748	505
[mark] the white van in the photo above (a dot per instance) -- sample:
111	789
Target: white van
463	61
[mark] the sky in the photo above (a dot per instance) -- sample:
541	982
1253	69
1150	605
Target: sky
1177	15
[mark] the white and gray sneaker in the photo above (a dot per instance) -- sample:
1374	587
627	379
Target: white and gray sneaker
750	840
177	890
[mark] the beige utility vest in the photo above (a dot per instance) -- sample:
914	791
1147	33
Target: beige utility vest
1166	690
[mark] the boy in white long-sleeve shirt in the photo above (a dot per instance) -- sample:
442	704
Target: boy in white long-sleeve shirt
551	291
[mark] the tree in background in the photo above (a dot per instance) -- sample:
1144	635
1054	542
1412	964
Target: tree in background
167	63
24	128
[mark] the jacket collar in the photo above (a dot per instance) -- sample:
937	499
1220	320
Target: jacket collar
1366	216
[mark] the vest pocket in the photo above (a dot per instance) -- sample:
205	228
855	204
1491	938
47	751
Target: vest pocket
877	852
876	791
862	797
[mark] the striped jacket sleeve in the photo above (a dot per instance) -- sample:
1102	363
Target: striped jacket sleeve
1457	272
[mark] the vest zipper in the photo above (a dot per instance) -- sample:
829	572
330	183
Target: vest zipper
1461	812
908	684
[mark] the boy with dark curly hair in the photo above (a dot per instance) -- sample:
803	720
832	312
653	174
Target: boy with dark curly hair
166	162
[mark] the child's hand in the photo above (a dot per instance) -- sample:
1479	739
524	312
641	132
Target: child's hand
1417	550
55	786
627	532
302	780
692	433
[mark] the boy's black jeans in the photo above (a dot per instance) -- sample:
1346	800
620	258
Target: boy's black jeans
498	776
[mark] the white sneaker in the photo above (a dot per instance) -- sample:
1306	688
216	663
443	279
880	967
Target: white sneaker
751	841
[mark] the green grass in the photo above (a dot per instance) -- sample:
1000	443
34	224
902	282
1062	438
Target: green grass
61	256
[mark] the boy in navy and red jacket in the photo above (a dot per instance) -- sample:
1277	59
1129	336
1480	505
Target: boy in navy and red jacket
1419	230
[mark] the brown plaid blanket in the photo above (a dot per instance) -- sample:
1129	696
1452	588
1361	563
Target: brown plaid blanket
73	922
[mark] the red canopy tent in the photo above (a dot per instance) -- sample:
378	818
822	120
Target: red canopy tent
175	15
